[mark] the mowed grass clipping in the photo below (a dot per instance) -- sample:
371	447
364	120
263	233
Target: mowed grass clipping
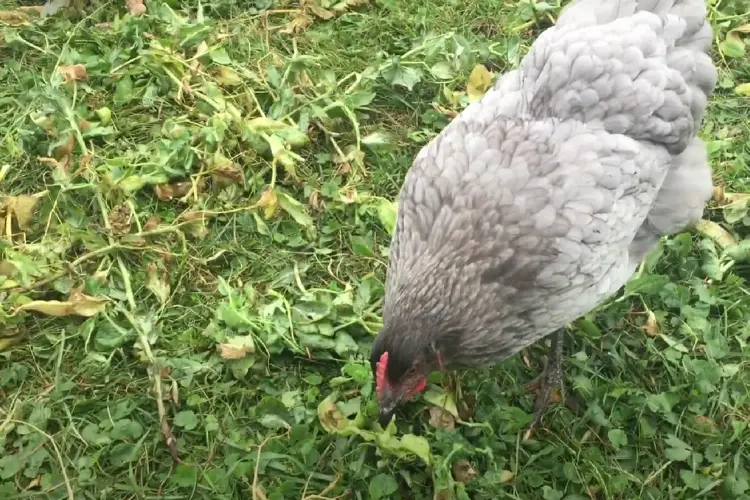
197	201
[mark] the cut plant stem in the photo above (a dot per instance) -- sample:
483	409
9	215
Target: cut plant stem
142	339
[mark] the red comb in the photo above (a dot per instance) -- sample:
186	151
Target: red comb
380	379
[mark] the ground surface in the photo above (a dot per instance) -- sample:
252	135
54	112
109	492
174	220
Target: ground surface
237	295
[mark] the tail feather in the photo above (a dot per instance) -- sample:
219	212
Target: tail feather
639	68
599	12
680	201
642	73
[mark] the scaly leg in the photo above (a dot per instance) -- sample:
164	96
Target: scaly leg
548	381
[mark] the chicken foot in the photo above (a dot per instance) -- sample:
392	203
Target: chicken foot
548	381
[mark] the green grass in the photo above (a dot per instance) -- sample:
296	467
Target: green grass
243	307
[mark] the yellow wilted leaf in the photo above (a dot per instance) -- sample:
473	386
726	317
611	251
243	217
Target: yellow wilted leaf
718	234
6	342
480	80
348	4
228	76
227	351
7	269
268	202
198	227
441	419
651	327
78	304
74	73
300	23
159	285
237	347
202	50
13	17
505	476
320	11
228	174
22	207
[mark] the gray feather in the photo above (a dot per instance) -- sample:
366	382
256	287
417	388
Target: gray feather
538	201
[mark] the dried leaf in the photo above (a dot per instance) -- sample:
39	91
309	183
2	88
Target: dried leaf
237	347
13	17
175	393
101	275
166	192
298	24
268	201
63	155
348	4
120	219
717	194
198	228
74	73
463	472
159	285
651	327
54	162
348	195
152	223
320	11
227	351
193	216
316	204
229	173
441	419
716	233
466	407
36	9
22	207
480	80
704	421
136	7
77	304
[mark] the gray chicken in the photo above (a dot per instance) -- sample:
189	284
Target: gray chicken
539	201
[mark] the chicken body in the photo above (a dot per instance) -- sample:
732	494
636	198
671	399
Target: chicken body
540	200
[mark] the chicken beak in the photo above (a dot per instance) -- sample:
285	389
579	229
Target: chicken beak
387	404
386	414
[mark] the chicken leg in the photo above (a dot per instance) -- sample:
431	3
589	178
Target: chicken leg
550	379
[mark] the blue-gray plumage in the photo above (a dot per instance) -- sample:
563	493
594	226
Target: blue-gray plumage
540	200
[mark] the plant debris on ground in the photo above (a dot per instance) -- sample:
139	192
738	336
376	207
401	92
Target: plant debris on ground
196	202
